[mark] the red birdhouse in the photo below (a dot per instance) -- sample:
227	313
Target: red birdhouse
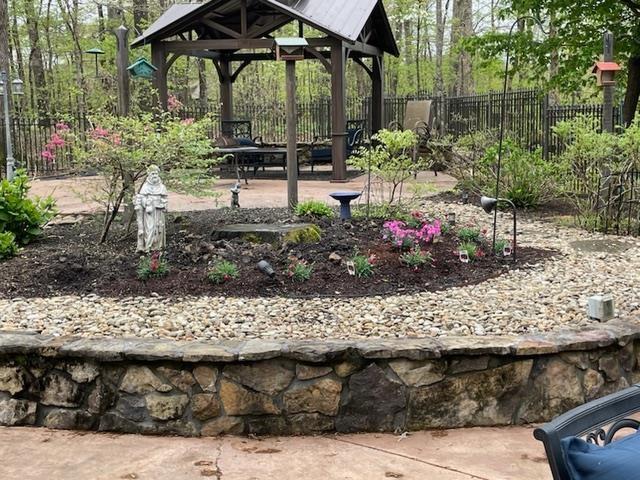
605	73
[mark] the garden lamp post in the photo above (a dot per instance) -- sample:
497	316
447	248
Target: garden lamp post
503	114
490	204
17	88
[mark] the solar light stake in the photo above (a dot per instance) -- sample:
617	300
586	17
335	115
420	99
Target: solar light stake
489	205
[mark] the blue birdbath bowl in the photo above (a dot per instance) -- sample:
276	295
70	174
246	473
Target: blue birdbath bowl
345	202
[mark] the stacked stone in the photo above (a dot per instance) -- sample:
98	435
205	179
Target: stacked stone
256	387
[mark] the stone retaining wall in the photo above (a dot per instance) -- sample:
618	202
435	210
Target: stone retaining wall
269	387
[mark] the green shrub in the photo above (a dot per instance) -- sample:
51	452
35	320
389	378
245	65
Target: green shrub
22	216
313	208
152	266
8	245
299	270
416	258
223	271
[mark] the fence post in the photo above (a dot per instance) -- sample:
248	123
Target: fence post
545	126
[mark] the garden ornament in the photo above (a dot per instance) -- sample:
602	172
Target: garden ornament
266	268
345	199
489	204
151	206
235	195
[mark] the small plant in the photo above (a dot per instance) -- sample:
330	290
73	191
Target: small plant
501	244
469	235
313	208
222	272
8	245
363	265
403	236
472	250
416	258
152	266
299	270
310	234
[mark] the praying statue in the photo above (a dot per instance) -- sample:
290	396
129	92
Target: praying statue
150	206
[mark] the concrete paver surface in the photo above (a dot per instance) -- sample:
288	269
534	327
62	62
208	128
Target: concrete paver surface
476	453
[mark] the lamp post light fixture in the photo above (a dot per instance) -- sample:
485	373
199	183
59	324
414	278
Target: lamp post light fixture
17	88
490	205
95	52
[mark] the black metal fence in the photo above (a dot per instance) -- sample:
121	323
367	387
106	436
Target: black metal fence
528	118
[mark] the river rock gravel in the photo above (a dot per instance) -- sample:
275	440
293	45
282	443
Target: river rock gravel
548	296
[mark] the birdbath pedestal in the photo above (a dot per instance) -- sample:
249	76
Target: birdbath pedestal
345	202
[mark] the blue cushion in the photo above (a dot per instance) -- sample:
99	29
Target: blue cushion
620	460
318	154
246	142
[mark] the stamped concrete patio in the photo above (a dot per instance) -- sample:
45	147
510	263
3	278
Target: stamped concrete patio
475	453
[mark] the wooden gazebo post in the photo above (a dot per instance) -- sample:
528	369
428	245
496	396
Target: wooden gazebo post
338	113
377	95
159	59
226	89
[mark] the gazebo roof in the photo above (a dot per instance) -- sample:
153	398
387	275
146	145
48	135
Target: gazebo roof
341	19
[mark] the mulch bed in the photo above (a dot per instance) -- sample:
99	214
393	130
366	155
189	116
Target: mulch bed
68	261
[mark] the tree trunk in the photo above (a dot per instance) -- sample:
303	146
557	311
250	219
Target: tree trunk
101	25
5	56
203	96
461	28
36	64
441	18
140	15
633	90
15	34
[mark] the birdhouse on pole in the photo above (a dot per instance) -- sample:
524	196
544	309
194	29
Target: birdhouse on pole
605	73
142	68
291	48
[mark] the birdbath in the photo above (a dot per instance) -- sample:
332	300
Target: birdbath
345	202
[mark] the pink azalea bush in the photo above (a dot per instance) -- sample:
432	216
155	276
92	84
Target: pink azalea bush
57	142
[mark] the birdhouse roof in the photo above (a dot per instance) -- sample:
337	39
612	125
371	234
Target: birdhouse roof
606	67
142	62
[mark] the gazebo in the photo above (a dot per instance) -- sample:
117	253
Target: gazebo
223	31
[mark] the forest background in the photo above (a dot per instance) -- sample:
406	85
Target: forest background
447	47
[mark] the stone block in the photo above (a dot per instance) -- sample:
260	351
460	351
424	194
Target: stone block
100	398
132	408
372	402
83	372
206	378
12	379
468	364
555	389
347	367
267	425
17	412
140	380
610	365
166	407
592	384
114	422
308	372
59	391
306	423
321	396
418	373
181	379
69	419
205	406
238	400
270	377
488	397
222	426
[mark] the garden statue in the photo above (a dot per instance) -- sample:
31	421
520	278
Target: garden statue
151	205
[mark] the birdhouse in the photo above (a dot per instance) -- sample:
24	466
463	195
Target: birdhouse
290	49
605	73
142	68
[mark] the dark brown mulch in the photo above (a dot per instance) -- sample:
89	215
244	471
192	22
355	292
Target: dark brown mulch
69	261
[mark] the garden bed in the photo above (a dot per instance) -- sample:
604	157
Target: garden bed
68	261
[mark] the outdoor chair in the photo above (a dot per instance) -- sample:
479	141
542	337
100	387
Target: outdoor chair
238	133
417	118
579	443
321	152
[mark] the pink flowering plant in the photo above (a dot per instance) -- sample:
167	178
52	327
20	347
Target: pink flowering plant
59	143
406	234
121	149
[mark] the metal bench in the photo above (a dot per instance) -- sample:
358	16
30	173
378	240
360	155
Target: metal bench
597	422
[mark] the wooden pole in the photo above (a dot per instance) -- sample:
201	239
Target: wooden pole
159	59
226	90
122	62
377	96
292	140
338	113
608	90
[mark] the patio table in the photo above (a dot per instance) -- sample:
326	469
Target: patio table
245	157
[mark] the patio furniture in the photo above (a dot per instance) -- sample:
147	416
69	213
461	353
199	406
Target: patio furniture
322	153
345	199
417	118
578	443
